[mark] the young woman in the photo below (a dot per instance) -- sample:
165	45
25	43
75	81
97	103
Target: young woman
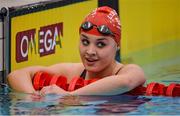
99	40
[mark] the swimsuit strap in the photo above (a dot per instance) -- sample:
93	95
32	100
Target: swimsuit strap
118	70
83	74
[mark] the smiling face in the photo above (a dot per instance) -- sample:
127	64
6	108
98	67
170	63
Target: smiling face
97	52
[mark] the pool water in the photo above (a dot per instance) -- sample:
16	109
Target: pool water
12	103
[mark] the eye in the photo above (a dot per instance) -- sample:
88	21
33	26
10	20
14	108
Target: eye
85	42
101	44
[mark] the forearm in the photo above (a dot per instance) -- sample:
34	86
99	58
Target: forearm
107	86
21	81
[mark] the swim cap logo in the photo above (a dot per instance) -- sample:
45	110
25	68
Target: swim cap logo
113	18
48	38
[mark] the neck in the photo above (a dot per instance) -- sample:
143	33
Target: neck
108	71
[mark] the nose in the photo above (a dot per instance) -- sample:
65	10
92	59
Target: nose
91	51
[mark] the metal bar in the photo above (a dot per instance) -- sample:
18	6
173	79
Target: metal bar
3	14
1	51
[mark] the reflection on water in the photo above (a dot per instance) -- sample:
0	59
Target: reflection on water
29	104
159	106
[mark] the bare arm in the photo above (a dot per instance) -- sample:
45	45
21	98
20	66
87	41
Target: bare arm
128	78
21	80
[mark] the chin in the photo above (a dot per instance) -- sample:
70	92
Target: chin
92	69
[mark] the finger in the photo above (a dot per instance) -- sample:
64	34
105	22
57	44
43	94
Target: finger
44	91
48	89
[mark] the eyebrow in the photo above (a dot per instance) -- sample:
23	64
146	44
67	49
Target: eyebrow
99	39
85	36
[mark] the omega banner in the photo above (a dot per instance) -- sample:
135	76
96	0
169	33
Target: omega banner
47	36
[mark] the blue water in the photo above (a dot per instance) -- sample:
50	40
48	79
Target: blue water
12	103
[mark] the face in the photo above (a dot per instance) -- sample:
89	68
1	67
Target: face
97	52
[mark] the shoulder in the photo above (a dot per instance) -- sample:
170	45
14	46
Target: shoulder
133	74
132	71
131	68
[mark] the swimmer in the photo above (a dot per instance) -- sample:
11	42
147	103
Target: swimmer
100	35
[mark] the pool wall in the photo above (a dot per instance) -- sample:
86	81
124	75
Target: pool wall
150	33
151	36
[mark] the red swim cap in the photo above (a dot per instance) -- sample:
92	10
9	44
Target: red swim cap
104	16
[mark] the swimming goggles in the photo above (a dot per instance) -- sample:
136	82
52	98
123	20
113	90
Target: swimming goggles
102	28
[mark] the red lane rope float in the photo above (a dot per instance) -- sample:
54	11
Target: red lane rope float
173	90
48	79
42	79
155	89
54	79
36	80
62	82
76	83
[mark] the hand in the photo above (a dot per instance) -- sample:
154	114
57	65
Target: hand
53	89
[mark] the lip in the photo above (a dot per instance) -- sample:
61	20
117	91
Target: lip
90	61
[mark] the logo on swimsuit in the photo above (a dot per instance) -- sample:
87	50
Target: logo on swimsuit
48	38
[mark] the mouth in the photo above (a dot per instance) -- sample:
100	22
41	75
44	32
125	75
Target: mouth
90	61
